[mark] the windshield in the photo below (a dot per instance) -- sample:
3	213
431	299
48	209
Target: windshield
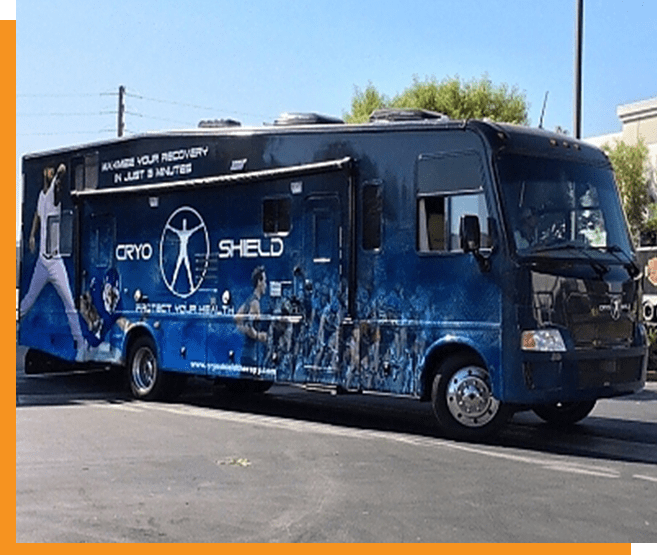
552	204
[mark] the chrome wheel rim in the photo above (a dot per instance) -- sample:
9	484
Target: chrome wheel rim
470	399
144	370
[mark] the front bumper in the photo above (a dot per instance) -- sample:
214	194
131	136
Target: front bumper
579	375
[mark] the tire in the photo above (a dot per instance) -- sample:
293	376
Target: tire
564	414
463	401
146	379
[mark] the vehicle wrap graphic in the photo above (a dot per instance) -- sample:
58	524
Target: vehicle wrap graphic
184	252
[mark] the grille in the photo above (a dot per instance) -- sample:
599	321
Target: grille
593	328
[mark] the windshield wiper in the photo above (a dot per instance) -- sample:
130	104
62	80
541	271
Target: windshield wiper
549	247
599	268
628	263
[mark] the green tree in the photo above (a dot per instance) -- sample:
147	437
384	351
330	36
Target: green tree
477	98
363	103
630	166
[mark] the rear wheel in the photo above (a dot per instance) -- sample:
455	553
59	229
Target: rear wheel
147	381
463	401
564	414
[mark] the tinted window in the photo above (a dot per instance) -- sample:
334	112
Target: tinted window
558	205
276	215
449	172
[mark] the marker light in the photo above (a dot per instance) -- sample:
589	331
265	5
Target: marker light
542	340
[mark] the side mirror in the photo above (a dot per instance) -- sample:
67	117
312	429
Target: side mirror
470	233
470	236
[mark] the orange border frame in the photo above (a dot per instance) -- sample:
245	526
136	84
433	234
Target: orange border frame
8	245
7	154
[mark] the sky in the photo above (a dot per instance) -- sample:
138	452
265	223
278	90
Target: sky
181	62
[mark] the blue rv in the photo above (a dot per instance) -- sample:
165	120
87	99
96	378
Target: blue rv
485	268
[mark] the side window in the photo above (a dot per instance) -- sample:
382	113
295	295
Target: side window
78	175
322	229
85	172
372	214
59	234
276	215
450	173
52	235
439	218
431	224
324	232
460	205
449	186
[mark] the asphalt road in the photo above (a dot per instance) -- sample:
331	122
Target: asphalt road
92	465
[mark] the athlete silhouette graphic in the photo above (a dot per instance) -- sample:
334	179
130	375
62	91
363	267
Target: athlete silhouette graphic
184	235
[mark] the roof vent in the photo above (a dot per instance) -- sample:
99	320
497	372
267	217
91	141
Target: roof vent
396	114
217	123
309	118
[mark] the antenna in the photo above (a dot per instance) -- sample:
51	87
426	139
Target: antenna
540	123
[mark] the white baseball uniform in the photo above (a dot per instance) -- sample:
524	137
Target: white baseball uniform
50	267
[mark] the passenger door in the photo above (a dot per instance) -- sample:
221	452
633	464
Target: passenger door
322	273
97	278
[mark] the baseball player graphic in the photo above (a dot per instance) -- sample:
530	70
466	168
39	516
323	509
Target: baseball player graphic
101	308
50	267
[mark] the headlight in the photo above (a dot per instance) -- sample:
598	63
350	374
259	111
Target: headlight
542	340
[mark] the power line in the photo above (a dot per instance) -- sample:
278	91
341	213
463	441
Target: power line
122	93
139	97
54	133
145	116
63	95
173	102
195	106
66	114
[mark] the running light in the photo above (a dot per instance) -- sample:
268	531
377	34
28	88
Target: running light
542	340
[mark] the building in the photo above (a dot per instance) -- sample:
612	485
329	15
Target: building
639	120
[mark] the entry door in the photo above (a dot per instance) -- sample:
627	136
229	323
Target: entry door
323	274
99	285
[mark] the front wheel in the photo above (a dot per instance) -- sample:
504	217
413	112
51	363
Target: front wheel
463	401
564	414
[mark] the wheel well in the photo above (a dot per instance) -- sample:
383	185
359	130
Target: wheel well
134	334
435	358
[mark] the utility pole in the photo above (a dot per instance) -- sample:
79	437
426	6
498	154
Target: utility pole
579	35
121	118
